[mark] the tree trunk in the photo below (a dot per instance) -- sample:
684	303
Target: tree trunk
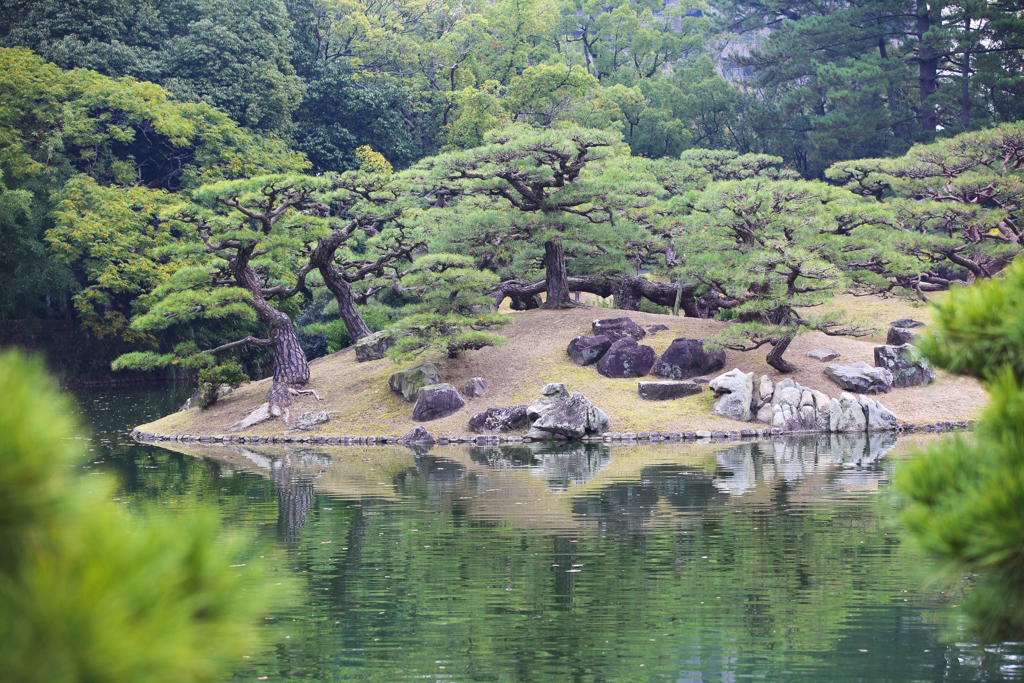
965	91
343	294
557	277
624	288
928	69
290	367
627	296
775	359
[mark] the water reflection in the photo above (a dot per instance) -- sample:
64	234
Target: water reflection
717	562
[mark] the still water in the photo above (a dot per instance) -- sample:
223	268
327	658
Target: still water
777	561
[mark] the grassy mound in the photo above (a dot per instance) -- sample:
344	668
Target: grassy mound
360	403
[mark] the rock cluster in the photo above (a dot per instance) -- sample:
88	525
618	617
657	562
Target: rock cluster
791	407
562	415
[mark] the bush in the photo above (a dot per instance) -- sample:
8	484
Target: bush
966	498
89	592
210	380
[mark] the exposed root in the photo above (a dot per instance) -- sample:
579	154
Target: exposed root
303	392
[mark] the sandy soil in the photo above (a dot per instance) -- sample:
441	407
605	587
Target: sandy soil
360	403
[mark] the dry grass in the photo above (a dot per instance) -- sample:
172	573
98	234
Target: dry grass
360	403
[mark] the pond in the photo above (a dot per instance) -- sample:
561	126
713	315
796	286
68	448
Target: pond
777	561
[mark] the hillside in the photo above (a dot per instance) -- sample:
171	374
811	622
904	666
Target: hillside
360	403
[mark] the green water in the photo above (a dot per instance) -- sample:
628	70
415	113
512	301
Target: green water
769	561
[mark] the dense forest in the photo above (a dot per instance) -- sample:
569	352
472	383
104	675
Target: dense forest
186	182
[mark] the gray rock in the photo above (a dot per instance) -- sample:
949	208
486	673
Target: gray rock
261	414
586	350
908	366
475	387
374	347
764	414
308	421
860	377
908	323
626	358
847	414
409	382
664	391
685	358
763	391
568	417
500	419
552	393
416	435
617	328
733	390
901	335
436	401
878	418
823	355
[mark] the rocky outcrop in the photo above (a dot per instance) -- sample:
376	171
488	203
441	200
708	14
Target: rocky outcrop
436	401
791	407
409	382
374	347
588	350
626	358
734	393
618	328
860	377
500	419
416	436
901	335
685	358
908	366
823	355
475	387
560	414
666	391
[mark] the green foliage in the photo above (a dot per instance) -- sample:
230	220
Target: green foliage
229	372
91	592
966	497
452	313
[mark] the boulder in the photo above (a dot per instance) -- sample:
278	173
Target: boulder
261	414
626	358
901	335
878	418
308	421
908	366
416	436
734	390
374	347
573	418
860	377
907	323
475	387
655	329
823	355
552	393
847	414
763	390
685	358
436	401
664	391
409	382
617	328
500	419
586	350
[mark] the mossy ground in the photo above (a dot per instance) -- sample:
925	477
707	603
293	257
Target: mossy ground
360	403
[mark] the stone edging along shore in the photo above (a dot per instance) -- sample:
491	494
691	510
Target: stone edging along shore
624	438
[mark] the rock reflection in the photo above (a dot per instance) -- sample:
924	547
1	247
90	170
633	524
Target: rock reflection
568	487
